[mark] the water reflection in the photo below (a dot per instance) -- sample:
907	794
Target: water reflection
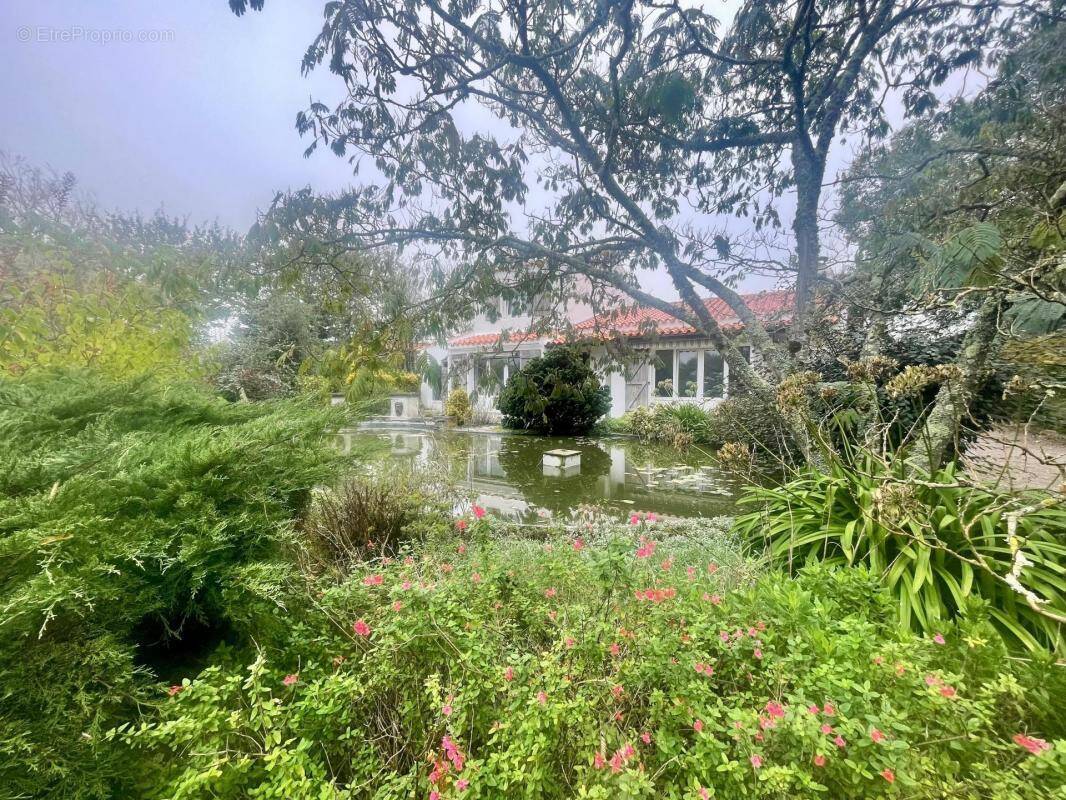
506	472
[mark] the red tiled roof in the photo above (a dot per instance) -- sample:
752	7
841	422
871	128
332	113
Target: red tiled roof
767	306
484	339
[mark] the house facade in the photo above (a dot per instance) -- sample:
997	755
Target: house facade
644	355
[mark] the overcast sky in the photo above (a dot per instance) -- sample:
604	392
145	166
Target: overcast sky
199	118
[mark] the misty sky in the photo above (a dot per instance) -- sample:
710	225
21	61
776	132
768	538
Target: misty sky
200	122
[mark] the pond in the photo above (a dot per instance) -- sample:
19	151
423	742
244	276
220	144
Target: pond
506	472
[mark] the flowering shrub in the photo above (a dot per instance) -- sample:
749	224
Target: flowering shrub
627	666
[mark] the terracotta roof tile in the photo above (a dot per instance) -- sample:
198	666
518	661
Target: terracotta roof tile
773	306
484	339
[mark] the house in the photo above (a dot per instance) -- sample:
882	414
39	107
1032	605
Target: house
645	355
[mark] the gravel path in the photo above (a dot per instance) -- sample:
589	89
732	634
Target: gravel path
1013	458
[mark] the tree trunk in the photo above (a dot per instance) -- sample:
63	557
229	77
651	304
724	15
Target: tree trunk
953	400
809	171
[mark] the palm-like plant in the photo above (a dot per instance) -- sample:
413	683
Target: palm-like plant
935	541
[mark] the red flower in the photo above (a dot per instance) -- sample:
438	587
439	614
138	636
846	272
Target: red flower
877	736
173	690
888	775
1031	743
508	674
479	512
461	524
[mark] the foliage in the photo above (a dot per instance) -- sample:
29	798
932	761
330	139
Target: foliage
557	393
458	406
934	542
555	669
139	527
370	514
744	419
121	294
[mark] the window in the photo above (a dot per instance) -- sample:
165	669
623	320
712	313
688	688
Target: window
687	373
713	374
663	363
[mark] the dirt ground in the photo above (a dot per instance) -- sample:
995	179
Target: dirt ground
1013	458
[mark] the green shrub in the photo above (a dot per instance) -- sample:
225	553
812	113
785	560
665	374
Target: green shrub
140	526
556	394
458	406
933	541
369	515
564	669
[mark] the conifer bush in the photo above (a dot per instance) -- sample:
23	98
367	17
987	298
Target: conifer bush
140	527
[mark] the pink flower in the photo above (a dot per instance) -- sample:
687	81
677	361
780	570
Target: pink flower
289	680
579	544
813	708
756	761
508	674
461	784
697	725
396	606
819	760
1031	743
406	586
775	709
461	524
704	794
827	729
888	775
614	649
652	517
617	691
434	795
372	580
947	691
839	741
542	698
712	568
667	564
616	762
361	628
461	548
828	709
476	577
939	639
691	573
716	600
876	735
757	652
446	710
598	761
645	737
634	519
570	642
646	548
479	512
175	689
550	593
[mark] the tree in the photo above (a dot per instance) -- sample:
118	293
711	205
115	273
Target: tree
964	217
622	112
558	393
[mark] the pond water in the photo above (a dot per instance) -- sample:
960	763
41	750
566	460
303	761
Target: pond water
506	473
